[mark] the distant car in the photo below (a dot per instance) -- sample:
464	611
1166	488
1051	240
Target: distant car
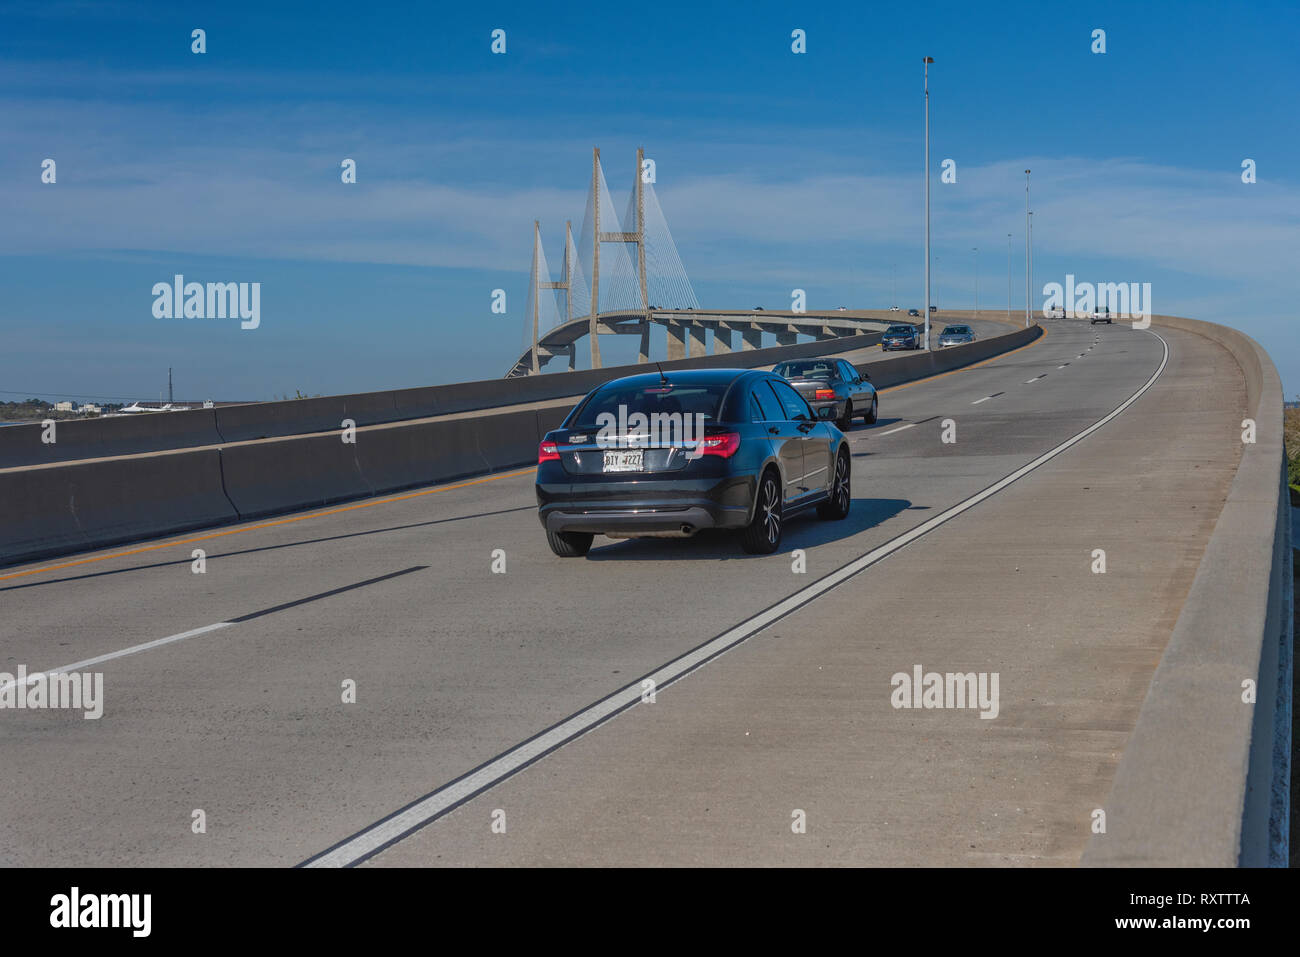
894	309
758	308
1101	314
763	456
900	336
934	308
833	384
914	312
841	308
956	336
1056	312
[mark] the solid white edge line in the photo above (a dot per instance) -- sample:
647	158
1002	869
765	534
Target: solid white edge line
133	650
389	830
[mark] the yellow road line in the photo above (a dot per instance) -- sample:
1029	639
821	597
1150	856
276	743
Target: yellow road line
369	503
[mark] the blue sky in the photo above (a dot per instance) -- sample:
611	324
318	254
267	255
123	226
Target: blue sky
774	170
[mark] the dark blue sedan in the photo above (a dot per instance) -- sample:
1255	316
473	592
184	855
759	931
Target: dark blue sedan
900	336
667	454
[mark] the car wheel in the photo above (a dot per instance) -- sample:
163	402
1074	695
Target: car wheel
570	544
837	506
845	421
762	535
870	417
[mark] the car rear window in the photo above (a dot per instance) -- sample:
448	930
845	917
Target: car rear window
807	369
649	400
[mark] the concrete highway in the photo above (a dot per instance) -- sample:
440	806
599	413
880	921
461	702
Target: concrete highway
237	709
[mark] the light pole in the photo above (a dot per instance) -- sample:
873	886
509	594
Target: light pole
1008	275
1028	255
893	284
927	61
976	250
1031	250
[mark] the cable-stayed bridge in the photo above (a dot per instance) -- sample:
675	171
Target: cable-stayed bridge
622	275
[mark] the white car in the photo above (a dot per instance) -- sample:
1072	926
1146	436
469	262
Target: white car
1100	314
1056	312
894	309
841	308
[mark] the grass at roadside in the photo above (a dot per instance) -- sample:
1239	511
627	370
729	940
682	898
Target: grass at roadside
1291	429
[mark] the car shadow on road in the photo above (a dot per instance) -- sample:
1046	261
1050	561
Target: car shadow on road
804	530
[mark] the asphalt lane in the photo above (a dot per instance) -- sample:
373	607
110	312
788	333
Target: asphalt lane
452	663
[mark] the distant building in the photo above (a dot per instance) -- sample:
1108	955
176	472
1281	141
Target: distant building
63	407
89	409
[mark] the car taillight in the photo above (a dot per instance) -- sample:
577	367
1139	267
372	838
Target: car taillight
824	394
547	452
724	444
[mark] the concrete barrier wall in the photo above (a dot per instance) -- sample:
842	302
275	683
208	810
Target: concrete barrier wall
918	365
1204	779
263	478
98	438
258	477
66	508
156	432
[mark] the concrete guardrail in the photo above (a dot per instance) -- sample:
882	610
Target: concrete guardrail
1204	780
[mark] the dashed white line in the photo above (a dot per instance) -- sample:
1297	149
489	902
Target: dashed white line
132	650
985	399
910	425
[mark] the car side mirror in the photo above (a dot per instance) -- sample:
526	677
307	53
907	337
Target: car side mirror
826	412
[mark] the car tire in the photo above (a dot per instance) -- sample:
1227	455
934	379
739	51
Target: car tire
870	417
762	536
837	506
570	544
845	421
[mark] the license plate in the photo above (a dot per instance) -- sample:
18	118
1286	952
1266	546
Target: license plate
624	460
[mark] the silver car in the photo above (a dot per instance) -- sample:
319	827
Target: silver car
834	384
956	336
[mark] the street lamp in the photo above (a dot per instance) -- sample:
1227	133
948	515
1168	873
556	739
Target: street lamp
926	67
1008	275
976	250
1028	255
1031	248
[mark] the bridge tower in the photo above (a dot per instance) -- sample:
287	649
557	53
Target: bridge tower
538	284
635	237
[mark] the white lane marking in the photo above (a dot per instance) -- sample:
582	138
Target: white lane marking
372	840
1062	367
910	425
1035	378
132	650
985	399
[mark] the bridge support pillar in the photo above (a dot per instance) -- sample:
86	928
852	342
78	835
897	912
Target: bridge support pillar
676	340
643	353
751	338
721	338
698	343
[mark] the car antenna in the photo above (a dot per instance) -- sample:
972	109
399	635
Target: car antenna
662	378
